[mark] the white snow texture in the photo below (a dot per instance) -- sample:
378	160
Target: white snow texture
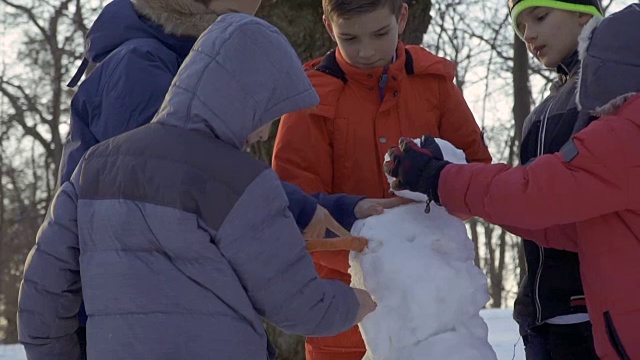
419	269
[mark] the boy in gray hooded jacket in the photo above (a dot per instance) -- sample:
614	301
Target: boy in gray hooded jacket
183	242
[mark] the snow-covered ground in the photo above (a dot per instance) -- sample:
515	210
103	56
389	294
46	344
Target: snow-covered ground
11	352
503	336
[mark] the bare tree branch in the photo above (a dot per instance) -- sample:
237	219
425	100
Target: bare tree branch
32	18
31	105
20	118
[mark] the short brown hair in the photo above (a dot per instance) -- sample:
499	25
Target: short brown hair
348	8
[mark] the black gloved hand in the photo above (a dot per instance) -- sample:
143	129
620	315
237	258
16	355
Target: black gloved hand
416	168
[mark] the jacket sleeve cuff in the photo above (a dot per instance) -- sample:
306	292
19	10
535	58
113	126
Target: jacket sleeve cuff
301	205
341	207
452	197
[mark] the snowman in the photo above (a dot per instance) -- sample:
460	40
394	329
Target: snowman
419	269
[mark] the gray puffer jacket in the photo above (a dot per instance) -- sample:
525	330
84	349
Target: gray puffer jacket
178	241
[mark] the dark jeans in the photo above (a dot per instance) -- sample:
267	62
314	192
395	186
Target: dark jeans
560	342
82	339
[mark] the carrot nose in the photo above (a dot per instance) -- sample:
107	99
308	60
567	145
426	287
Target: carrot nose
353	243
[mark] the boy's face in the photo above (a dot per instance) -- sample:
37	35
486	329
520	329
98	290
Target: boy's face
551	34
368	41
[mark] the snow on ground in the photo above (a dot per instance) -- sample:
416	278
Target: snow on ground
12	352
503	336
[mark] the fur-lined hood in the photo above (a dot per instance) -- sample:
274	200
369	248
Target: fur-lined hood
177	17
612	106
119	23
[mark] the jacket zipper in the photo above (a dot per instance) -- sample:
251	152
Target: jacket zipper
383	79
541	135
614	338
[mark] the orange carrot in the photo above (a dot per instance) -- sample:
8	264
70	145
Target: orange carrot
355	243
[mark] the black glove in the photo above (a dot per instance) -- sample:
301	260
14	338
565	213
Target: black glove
416	168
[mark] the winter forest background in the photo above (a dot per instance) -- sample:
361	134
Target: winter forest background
41	45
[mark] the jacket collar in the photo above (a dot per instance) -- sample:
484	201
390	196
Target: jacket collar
569	66
371	77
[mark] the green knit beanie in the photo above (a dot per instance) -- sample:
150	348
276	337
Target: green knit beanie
583	6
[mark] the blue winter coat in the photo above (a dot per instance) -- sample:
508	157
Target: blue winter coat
135	62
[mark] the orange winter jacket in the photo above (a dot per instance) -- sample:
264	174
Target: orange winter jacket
339	146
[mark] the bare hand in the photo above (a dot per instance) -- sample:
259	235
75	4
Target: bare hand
367	304
322	221
369	207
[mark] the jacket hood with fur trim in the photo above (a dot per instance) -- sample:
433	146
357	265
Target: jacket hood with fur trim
119	22
177	17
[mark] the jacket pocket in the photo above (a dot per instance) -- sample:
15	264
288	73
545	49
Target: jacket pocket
614	339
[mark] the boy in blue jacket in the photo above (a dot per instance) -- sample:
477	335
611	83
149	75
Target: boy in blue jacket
135	48
178	241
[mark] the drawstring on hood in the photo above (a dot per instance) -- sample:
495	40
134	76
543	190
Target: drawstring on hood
241	74
568	68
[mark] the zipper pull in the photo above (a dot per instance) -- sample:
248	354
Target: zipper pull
383	80
427	208
381	85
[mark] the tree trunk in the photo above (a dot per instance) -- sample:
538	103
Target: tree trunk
473	229
521	86
495	283
498	286
3	235
521	109
301	22
419	20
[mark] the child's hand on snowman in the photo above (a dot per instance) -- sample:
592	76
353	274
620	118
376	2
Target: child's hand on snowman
370	207
367	305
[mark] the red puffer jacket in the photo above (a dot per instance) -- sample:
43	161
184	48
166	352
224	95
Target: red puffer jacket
585	198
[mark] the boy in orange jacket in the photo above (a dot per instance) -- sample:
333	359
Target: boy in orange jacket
373	90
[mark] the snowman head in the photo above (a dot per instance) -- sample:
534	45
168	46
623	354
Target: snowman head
450	153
